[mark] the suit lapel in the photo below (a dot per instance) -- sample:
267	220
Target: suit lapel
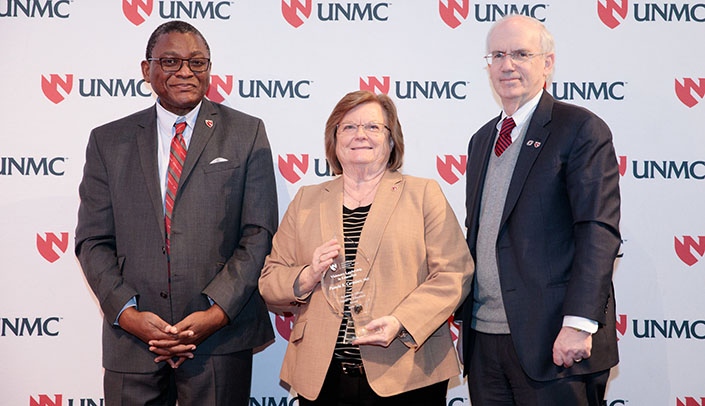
146	135
383	206
331	214
483	144
205	127
536	136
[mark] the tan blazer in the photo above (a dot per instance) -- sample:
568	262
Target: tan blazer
413	248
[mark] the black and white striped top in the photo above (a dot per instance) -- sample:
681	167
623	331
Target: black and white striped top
353	221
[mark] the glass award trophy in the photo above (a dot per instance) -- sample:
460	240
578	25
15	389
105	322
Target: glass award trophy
349	292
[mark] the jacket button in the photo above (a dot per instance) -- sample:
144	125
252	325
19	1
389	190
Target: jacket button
163	294
163	250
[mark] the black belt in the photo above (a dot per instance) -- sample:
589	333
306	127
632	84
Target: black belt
351	368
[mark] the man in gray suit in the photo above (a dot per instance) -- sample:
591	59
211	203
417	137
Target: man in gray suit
173	250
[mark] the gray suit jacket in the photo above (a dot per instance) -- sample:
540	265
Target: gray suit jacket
224	217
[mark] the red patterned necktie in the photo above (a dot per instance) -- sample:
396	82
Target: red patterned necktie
505	136
177	156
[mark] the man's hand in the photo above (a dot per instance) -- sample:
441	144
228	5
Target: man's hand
571	346
146	326
190	331
150	328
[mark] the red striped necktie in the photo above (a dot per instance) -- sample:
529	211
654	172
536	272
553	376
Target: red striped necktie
177	156
505	136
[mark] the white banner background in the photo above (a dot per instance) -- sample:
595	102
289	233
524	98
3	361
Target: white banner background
644	76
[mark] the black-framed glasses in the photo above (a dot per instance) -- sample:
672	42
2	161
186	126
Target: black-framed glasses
520	56
370	128
171	64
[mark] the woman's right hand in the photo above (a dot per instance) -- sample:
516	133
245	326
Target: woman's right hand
323	256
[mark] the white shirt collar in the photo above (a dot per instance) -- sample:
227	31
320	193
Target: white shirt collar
166	119
522	115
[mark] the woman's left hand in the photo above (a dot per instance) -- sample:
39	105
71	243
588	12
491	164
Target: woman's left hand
381	331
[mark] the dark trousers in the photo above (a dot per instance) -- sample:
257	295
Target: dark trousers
204	380
341	389
496	378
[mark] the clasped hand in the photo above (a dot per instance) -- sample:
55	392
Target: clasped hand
173	344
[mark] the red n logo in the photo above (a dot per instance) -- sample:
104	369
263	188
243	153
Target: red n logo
290	11
685	91
445	168
621	325
217	83
448	12
690	401
373	83
51	86
286	167
622	164
685	249
608	11
44	400
284	324
132	10
45	246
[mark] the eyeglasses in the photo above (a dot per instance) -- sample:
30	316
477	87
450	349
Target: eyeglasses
517	56
370	128
197	65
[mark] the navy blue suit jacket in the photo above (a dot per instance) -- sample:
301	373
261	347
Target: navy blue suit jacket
558	236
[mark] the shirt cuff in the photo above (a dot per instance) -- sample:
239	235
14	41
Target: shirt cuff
130	303
580	323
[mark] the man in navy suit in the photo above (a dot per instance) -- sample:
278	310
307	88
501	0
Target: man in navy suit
182	312
543	210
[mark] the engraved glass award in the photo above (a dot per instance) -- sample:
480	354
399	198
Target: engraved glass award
349	292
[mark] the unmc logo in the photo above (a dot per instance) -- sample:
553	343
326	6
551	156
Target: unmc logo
445	167
685	91
296	12
46	246
685	249
663	169
291	11
133	10
137	11
662	328
27	166
588	90
222	86
56	88
413	89
609	12
452	12
35	8
51	86
25	326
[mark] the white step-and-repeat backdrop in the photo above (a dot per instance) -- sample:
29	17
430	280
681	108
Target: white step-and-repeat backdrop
70	65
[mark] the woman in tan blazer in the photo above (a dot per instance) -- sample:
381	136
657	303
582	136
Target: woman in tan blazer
403	249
